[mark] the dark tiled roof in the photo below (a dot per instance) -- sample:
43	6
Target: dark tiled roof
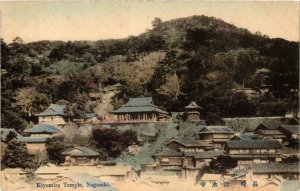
259	144
89	115
53	109
292	128
193	105
276	168
42	128
204	154
247	136
139	105
80	151
186	141
169	152
216	129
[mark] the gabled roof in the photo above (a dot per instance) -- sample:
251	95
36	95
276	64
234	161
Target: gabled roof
294	129
144	104
89	115
246	136
80	151
187	141
253	144
270	132
169	152
192	105
205	154
216	129
276	168
42	128
52	110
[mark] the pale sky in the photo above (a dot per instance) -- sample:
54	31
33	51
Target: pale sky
91	20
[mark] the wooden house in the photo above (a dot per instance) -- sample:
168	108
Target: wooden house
139	110
187	144
192	112
216	135
81	156
254	151
168	158
271	134
283	170
53	115
198	160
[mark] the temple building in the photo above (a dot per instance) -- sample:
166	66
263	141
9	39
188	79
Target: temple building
53	115
192	112
81	156
140	110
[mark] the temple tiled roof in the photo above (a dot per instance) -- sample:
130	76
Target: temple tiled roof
80	151
42	128
253	144
186	141
292	128
271	132
276	168
52	110
169	152
216	129
138	105
246	136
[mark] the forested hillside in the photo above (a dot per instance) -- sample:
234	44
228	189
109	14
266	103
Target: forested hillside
196	58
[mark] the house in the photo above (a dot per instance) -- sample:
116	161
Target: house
192	112
88	182
216	135
271	134
81	156
187	144
200	159
43	130
53	115
111	174
90	118
252	152
140	110
283	170
245	136
33	144
168	158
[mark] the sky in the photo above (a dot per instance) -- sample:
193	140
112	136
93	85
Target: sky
95	20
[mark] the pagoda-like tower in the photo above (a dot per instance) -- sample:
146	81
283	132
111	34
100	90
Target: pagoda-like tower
192	112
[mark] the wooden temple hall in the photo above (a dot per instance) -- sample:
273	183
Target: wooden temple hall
140	109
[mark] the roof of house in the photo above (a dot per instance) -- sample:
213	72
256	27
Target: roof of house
292	128
205	154
216	129
259	144
84	178
89	115
92	170
135	105
53	109
42	128
246	136
193	105
5	131
80	151
187	141
270	132
275	168
169	152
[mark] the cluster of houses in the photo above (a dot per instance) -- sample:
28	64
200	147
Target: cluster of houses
259	152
